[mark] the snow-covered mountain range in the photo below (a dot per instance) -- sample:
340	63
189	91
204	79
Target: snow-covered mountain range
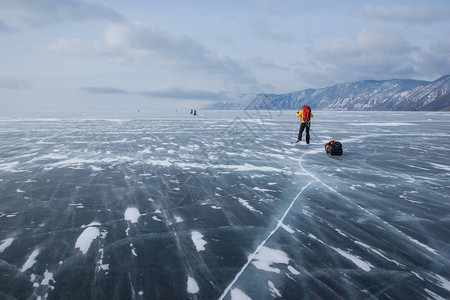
395	94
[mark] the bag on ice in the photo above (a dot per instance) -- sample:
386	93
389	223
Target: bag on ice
333	148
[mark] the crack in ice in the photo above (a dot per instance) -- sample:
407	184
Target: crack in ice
426	247
260	246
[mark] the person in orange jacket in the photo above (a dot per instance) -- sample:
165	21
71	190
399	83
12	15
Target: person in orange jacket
305	116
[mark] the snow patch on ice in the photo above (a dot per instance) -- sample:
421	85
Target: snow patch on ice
293	270
199	242
95	168
156	219
78	163
266	257
354	186
417	275
132	214
249	167
86	238
237	294
133	249
434	295
155	162
178	219
9	167
307	212
366	266
382	124
245	203
378	252
262	190
444	283
47	277
315	238
423	245
277	156
340	232
440	166
273	290
257	176
192	286
91	224
287	228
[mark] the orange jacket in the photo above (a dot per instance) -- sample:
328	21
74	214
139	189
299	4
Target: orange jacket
300	114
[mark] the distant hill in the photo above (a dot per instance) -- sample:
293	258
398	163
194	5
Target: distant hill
395	94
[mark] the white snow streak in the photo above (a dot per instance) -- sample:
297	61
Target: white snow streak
440	166
444	283
287	228
30	261
378	252
433	295
273	290
382	124
293	270
5	244
245	203
366	266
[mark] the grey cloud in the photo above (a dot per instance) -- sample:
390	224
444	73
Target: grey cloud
14	84
436	61
406	14
366	43
259	62
140	43
169	93
103	90
177	93
272	7
371	55
45	12
174	49
4	27
265	30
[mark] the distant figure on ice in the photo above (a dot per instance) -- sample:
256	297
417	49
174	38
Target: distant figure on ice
195	112
192	111
305	116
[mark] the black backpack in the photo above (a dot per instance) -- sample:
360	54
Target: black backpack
333	148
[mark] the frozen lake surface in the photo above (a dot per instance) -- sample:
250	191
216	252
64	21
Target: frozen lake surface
222	205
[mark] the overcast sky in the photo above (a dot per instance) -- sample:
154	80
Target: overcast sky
58	55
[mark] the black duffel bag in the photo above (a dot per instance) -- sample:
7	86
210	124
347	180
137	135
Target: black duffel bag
333	148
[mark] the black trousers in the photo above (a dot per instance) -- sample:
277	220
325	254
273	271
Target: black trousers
302	128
